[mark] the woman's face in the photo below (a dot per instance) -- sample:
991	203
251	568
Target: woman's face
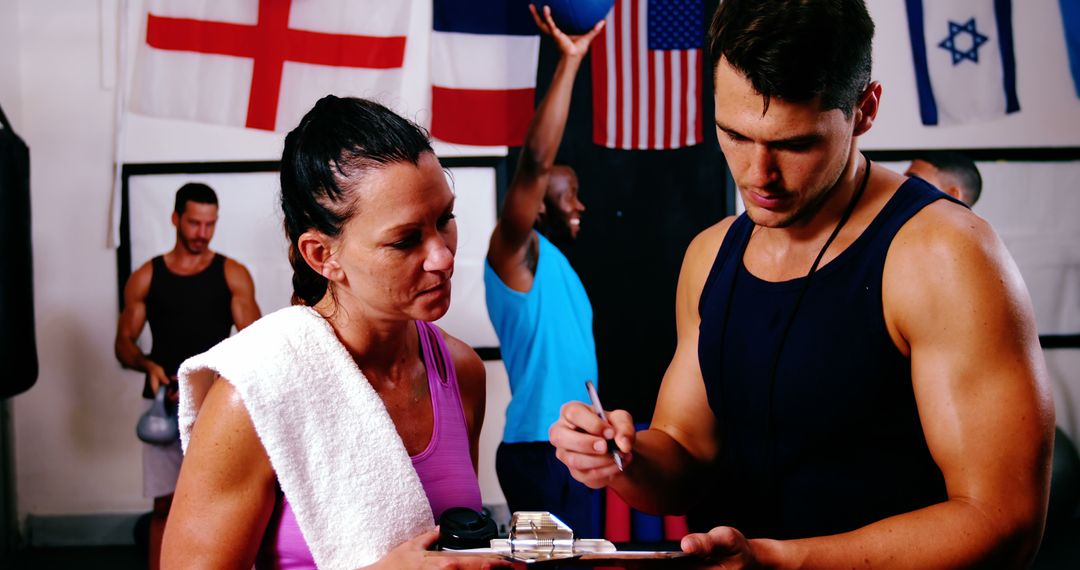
397	251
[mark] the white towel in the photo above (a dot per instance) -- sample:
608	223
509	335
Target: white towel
333	446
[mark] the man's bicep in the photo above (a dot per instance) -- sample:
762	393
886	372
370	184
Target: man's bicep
520	211
682	407
133	316
977	370
245	310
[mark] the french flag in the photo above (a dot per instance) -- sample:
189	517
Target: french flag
483	71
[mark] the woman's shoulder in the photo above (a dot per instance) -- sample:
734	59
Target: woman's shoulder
471	380
281	327
267	349
467	364
288	316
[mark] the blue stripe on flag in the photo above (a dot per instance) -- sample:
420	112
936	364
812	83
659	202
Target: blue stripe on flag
927	104
1070	17
1003	12
495	17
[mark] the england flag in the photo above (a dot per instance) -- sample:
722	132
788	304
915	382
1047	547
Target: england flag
261	64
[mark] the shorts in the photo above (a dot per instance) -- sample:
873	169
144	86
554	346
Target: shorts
161	467
533	479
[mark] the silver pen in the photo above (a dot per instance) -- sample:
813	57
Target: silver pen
599	409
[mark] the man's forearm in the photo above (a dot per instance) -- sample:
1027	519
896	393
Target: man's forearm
543	139
954	534
129	355
662	478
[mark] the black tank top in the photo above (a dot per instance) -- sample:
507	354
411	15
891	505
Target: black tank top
845	447
187	314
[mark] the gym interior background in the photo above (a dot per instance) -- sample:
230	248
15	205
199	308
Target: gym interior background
72	467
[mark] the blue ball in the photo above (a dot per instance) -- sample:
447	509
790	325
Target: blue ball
576	17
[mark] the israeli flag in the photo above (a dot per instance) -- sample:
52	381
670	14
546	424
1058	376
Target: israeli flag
1070	16
965	69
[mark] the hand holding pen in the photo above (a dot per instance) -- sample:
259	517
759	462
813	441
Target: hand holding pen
599	409
582	437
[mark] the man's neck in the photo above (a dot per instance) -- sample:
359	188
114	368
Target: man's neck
182	261
779	254
820	218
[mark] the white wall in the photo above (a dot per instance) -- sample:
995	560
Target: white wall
9	58
75	447
71	448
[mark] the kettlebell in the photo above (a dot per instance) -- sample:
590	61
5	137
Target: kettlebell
157	425
461	528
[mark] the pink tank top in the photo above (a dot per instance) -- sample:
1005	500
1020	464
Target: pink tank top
445	467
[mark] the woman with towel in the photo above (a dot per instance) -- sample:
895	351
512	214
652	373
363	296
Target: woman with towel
334	432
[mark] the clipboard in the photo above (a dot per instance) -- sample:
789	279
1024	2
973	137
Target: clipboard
539	538
619	559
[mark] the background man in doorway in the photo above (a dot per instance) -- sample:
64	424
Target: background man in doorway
539	308
192	297
953	173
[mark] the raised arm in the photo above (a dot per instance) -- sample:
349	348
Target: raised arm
511	238
955	301
130	326
664	463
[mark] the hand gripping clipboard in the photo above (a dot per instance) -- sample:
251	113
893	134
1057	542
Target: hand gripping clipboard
540	538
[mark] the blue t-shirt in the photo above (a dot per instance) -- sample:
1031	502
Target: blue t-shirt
546	340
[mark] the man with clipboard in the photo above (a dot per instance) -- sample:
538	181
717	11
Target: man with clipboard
857	372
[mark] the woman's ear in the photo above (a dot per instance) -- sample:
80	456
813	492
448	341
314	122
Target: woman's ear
315	248
867	108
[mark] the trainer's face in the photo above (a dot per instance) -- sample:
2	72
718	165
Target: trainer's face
784	161
195	226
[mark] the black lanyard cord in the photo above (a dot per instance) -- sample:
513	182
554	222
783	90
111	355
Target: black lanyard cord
791	320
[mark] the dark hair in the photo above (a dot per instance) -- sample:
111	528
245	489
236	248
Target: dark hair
797	49
960	167
193	192
338	139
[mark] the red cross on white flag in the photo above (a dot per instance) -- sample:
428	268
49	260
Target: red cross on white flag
263	63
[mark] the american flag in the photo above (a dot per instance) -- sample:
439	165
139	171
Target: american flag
646	74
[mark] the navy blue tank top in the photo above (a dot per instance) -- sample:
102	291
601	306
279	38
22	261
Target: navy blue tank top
188	314
838	444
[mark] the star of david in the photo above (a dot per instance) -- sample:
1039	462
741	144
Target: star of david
950	42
